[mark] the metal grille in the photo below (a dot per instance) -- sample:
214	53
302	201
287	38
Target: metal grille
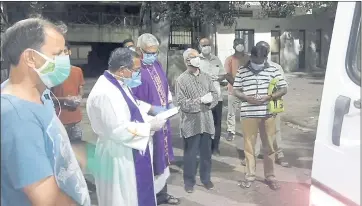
248	36
183	36
180	39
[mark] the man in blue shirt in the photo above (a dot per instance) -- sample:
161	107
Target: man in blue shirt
38	165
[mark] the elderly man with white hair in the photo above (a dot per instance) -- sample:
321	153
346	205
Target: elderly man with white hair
196	96
155	91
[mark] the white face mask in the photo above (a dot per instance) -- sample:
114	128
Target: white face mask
239	48
206	50
257	66
195	62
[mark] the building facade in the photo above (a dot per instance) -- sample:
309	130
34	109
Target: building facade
298	43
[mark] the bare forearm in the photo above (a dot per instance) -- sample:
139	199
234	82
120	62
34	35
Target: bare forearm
229	77
240	94
278	94
64	200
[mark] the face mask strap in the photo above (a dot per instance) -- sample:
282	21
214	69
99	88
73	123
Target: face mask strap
60	107
44	56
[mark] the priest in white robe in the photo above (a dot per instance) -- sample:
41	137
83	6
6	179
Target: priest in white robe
124	175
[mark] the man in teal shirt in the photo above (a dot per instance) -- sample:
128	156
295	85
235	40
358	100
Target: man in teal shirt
38	165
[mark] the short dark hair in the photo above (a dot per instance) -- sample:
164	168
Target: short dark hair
24	34
120	57
259	51
127	41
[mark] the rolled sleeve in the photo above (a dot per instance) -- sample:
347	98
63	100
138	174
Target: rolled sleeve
238	82
282	83
28	161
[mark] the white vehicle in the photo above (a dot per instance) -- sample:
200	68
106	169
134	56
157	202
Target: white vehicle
336	161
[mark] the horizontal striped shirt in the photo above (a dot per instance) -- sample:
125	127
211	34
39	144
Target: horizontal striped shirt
256	85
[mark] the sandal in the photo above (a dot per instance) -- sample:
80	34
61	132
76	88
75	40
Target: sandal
273	184
245	184
282	162
171	200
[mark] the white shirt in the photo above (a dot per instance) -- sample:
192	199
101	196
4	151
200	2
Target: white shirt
214	68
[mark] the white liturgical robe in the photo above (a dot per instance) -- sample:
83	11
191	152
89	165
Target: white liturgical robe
110	118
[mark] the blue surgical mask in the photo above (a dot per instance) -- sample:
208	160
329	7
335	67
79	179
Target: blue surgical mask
134	81
54	72
149	59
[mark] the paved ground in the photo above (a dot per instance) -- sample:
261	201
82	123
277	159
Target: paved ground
302	105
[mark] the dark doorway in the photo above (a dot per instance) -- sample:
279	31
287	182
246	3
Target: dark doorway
98	58
248	36
275	46
301	66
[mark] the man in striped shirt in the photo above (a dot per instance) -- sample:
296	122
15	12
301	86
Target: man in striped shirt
196	96
251	86
279	155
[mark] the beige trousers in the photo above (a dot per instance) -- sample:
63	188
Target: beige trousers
267	128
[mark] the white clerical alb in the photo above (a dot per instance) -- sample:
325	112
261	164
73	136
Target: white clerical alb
110	116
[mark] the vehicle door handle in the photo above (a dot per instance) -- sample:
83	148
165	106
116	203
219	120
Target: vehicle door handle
341	108
357	104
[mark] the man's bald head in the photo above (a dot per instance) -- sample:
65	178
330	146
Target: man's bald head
204	41
205	46
263	44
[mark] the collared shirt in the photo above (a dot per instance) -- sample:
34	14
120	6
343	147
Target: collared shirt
196	117
256	84
232	64
213	67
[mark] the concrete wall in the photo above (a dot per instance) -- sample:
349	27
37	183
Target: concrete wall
95	33
289	53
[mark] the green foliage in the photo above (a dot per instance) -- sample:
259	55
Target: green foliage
288	8
186	12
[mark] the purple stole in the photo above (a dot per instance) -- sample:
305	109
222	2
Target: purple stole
155	92
142	163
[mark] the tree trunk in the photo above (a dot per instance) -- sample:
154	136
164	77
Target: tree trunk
161	30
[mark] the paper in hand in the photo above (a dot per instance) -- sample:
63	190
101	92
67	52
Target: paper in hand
167	114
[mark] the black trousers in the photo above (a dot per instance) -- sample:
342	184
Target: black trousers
162	195
198	144
217	114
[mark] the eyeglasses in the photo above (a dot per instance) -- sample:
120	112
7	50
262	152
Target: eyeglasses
136	70
66	51
151	53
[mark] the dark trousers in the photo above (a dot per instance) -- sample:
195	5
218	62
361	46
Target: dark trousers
217	114
198	144
162	195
